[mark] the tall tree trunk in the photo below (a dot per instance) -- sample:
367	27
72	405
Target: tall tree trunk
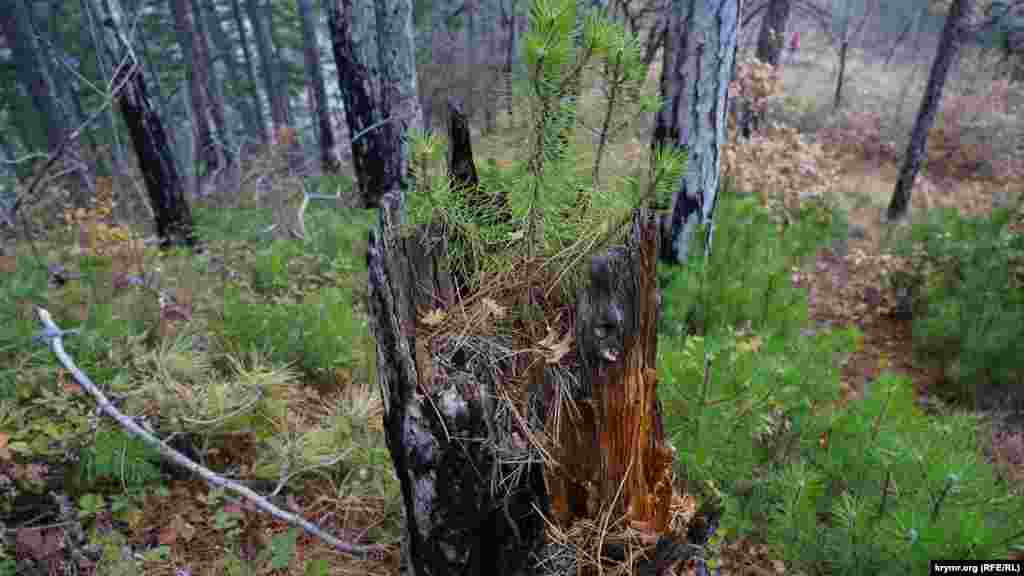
276	50
211	84
250	69
152	146
771	41
34	70
265	50
205	149
510	52
770	45
91	34
225	54
472	53
374	54
320	111
700	49
917	148
837	99
492	81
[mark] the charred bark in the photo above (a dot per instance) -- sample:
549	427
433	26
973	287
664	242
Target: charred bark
373	52
461	167
450	446
164	185
475	493
612	443
462	171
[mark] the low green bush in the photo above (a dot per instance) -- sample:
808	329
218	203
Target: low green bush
750	394
965	284
748	281
317	334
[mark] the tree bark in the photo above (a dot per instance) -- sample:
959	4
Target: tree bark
152	146
35	72
311	53
225	54
510	53
772	39
210	83
374	54
917	148
612	445
700	48
205	149
837	99
276	49
250	70
771	42
265	50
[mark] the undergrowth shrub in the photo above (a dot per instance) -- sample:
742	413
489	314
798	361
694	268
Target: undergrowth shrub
967	274
115	458
270	271
748	281
318	333
750	397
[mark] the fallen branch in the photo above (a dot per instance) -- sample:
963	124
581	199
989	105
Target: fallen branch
54	336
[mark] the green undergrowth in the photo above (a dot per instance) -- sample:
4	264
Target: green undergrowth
867	486
965	289
257	363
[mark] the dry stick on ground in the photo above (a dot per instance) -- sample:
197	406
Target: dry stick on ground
54	336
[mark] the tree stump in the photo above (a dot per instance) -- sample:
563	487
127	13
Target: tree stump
476	492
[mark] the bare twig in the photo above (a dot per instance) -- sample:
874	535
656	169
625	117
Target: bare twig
54	336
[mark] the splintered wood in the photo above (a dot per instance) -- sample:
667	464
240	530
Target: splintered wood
614	462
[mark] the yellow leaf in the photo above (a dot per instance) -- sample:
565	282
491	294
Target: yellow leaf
434	317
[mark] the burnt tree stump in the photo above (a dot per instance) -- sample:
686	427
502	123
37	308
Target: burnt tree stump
477	496
469	500
611	444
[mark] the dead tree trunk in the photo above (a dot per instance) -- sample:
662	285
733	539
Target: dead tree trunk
152	146
611	442
475	490
377	77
